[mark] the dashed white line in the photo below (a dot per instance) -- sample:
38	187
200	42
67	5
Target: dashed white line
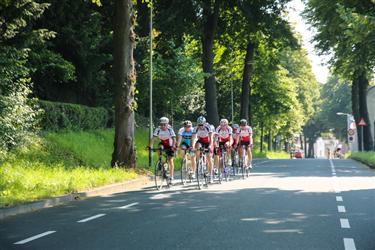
91	218
127	206
344	223
34	237
349	244
339	198
341	209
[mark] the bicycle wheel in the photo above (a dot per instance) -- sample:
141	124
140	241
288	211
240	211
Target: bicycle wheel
225	167
184	171
246	163
242	163
235	163
199	173
159	175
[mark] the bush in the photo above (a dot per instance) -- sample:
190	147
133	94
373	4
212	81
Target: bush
72	116
17	112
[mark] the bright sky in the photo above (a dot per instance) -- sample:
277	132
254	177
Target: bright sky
321	71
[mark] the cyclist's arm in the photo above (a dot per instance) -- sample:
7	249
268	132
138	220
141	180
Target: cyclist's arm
152	142
179	141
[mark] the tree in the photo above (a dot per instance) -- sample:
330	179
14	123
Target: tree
124	79
346	28
211	9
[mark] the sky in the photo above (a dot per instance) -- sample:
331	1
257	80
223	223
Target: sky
321	71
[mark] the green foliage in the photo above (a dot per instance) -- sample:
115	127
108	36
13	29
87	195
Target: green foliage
177	82
345	28
365	157
58	116
17	113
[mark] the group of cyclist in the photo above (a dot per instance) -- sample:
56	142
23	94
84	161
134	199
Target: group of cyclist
205	135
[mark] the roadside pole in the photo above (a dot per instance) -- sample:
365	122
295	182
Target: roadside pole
150	163
362	123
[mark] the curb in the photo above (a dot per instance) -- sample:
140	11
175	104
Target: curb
55	201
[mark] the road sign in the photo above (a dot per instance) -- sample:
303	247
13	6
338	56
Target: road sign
362	122
351	131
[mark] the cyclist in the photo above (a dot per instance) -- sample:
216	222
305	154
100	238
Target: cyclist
224	137
245	133
236	138
167	139
202	136
184	141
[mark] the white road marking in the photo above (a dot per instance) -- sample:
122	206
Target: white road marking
127	206
34	237
91	218
344	223
338	198
341	209
349	244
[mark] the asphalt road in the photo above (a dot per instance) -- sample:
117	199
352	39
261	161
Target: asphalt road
285	204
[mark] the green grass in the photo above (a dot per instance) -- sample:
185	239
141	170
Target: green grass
277	155
61	163
365	157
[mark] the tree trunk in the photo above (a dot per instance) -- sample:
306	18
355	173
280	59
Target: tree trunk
362	90
311	147
124	77
355	104
261	137
246	90
269	140
208	37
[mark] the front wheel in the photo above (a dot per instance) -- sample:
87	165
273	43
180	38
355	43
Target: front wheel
160	175
184	171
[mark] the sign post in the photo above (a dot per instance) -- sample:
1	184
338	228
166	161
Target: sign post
361	124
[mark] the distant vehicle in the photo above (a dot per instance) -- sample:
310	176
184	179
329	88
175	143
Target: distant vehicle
299	154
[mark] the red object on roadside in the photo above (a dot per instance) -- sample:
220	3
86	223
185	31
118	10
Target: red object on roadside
299	154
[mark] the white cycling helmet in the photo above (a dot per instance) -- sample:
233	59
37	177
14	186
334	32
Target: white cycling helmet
224	122
201	120
236	126
243	122
164	120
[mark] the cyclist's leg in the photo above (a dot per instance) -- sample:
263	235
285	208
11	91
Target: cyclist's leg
249	156
228	149
170	154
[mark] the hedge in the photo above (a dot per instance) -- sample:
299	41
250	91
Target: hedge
57	115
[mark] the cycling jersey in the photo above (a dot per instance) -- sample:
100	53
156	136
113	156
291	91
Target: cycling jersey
203	133
224	134
166	136
245	133
186	136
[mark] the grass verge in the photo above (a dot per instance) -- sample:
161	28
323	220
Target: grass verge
57	164
367	158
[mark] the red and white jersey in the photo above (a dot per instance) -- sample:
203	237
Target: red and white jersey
224	134
245	133
165	136
203	133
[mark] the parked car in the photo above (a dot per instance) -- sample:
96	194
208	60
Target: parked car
299	154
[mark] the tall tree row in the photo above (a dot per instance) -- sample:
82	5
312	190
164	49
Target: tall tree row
346	28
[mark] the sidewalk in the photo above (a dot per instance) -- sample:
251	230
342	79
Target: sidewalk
142	181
